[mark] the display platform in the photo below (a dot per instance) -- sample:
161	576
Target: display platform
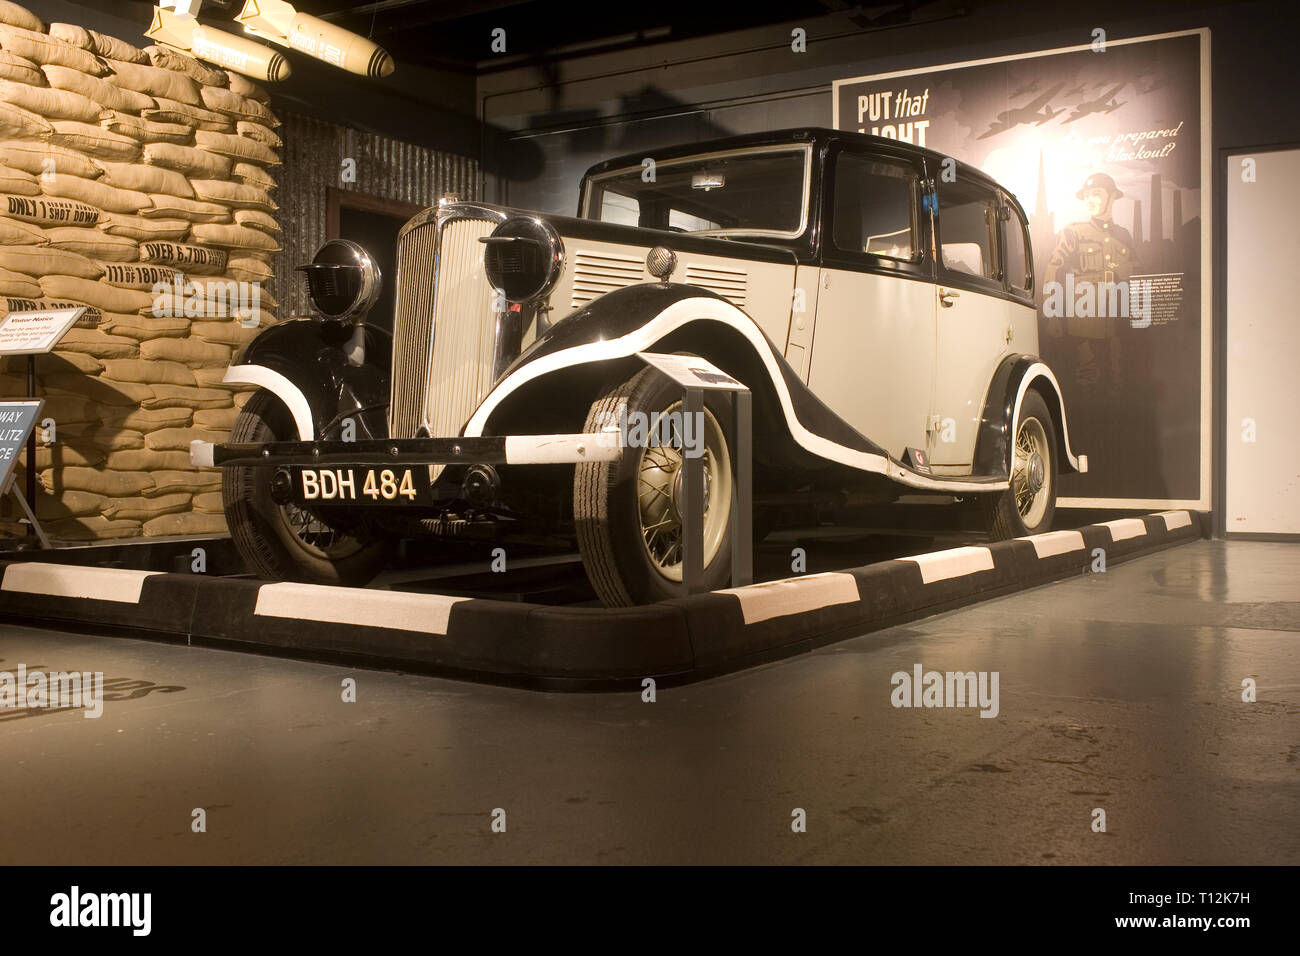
566	647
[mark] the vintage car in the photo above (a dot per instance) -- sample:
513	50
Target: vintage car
875	298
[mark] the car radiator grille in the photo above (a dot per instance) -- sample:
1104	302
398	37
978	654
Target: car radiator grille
442	296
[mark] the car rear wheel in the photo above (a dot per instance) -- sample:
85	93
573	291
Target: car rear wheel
1028	505
285	542
628	513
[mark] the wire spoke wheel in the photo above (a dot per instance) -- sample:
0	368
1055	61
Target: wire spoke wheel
1030	476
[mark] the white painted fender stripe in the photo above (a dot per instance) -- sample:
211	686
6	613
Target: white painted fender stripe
75	581
1052	543
689	310
761	602
1121	529
282	388
1176	519
422	613
1039	370
953	563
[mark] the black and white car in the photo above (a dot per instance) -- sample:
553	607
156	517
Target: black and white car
880	312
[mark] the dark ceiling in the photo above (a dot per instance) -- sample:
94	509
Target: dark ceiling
457	34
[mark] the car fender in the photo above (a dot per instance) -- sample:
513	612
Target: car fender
1000	419
665	317
302	362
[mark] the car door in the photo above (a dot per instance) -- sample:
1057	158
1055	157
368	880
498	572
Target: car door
872	352
973	322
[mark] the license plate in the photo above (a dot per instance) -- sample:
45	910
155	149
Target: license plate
349	484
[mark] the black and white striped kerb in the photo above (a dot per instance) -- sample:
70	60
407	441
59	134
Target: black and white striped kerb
567	647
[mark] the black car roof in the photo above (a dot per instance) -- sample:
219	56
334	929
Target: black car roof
819	136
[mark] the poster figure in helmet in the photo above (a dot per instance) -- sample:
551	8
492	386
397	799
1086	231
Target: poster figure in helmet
1095	251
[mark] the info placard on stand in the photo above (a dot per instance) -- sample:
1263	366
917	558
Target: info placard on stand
31	333
696	376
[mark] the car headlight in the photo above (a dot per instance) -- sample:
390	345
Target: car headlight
523	258
343	282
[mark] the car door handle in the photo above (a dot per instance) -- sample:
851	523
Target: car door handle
946	296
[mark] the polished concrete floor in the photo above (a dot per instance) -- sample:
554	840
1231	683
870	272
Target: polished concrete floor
1118	691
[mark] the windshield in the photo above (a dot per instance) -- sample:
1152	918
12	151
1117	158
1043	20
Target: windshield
755	192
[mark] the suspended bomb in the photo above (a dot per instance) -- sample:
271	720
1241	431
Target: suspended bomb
278	22
237	53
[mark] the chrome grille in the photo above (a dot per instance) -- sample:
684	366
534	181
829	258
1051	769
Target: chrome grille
595	273
443	325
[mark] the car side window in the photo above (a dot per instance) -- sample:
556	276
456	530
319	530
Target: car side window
968	217
875	208
1019	270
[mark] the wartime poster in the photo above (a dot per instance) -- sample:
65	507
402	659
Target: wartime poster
1105	145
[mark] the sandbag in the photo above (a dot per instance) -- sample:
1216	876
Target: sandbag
148	372
93	243
13	232
178	439
19	16
251	175
41	261
170	482
70	409
108	298
135	275
196	70
94	192
200	260
105	92
170	396
146	509
94	140
99	481
146	130
44	158
49	211
60	362
71	33
208	503
195	163
249	269
19	69
259	134
144	230
92	528
234	237
18	182
146	179
166	110
237	147
101	345
111	48
142	459
44	49
88	319
233	194
257	219
147	420
194	353
217	419
176	207
187	523
18	284
64	454
20	123
143	327
68	504
242	85
50	103
232	104
158	83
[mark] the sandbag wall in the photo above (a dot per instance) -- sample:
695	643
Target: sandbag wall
123	173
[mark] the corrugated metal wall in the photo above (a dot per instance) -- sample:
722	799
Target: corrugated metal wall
313	155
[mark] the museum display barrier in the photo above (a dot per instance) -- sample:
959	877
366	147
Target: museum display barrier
575	648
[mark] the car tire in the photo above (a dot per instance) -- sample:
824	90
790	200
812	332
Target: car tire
626	539
284	542
1029	504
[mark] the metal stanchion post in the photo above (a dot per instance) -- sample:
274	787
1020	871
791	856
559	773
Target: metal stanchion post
742	511
693	499
31	438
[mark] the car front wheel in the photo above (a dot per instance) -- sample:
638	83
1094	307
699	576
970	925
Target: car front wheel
1028	505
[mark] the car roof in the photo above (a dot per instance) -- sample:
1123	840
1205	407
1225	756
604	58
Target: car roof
818	136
